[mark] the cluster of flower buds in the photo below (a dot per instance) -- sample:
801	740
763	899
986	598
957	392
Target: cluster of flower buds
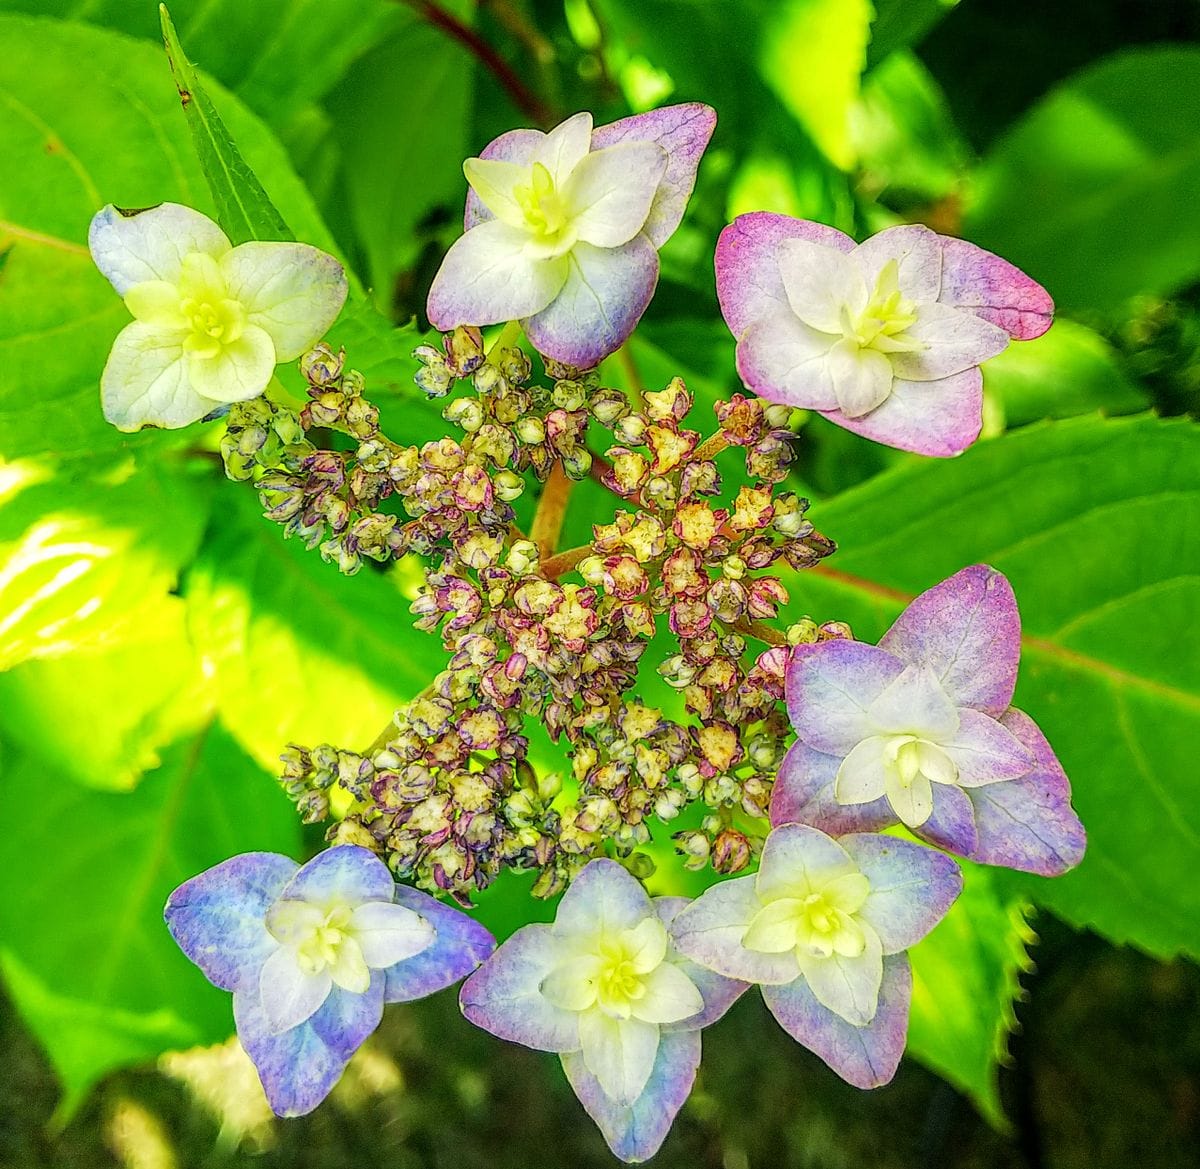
448	795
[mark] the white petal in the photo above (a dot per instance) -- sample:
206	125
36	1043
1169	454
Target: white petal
918	255
563	148
861	777
150	245
954	340
783	359
862	378
156	303
293	921
146	382
389	933
292	291
773	930
610	192
913	803
670	996
649	943
618	1052
239	372
289	996
915	704
350	970
847	986
571	985
822	284
493	181
487	277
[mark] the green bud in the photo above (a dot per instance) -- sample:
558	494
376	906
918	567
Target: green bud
466	413
577	464
508	485
530	430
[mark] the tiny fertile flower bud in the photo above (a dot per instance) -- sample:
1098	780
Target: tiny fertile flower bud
608	406
671	403
508	485
695	847
530	430
577	464
569	395
466	413
320	366
731	851
523	557
464	350
592	569
630	429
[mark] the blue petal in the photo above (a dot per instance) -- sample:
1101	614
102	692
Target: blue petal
217	917
636	1131
346	870
458	947
863	1056
299	1068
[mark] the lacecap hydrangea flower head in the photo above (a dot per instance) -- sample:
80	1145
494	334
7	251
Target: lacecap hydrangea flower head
605	989
919	730
311	955
211	321
885	337
823	927
563	229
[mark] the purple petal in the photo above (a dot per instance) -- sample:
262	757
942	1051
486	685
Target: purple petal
459	946
683	132
635	1132
951	824
604	896
912	887
605	294
994	289
803	794
1028	823
939	418
504	995
346	870
968	632
749	284
299	1068
710	931
863	1056
719	993
217	918
829	687
984	751
517	146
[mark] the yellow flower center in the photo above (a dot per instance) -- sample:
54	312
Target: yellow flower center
618	982
541	204
319	936
886	316
910	758
214	319
820	920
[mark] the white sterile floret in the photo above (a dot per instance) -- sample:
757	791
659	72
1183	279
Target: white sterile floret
211	321
623	987
333	943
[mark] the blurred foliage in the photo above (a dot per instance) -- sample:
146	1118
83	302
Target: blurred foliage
160	644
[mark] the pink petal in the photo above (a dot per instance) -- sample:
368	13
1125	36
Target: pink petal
829	687
968	632
605	294
939	418
803	794
863	1056
719	993
1028	824
994	289
749	283
683	132
955	341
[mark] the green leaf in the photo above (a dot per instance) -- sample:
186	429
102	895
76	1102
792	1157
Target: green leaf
966	977
58	315
901	23
102	715
812	54
1068	370
1093	192
83	947
298	652
1097	525
404	111
80	557
244	209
